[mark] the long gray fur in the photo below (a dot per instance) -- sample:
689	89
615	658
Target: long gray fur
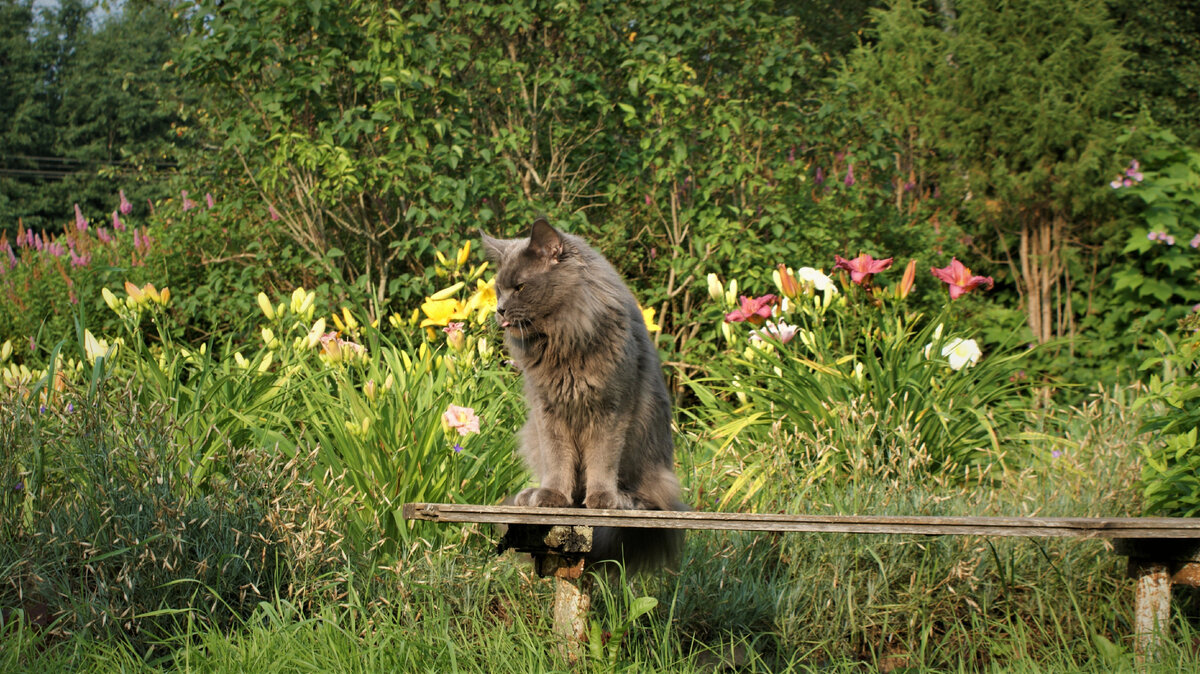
598	434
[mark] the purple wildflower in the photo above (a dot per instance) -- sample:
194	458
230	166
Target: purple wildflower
70	408
188	204
208	199
1056	453
81	222
457	448
849	175
78	260
1194	243
1168	239
1152	235
819	176
118	226
126	208
272	212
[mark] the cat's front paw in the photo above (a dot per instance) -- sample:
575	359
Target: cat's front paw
540	497
606	500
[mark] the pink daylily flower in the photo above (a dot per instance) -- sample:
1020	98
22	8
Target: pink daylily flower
756	310
862	267
958	277
462	419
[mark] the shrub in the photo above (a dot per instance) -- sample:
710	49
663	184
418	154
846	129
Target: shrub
1170	482
104	532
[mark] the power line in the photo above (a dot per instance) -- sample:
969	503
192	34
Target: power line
69	160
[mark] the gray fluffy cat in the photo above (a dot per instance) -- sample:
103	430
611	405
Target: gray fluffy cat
599	428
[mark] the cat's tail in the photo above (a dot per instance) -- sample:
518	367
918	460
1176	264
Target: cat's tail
638	550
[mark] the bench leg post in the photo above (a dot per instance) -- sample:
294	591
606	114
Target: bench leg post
1152	611
571	603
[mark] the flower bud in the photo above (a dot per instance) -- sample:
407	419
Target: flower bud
715	292
7	349
111	300
447	292
265	304
135	293
314	335
298	296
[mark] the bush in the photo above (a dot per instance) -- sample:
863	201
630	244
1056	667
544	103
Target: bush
105	533
1170	482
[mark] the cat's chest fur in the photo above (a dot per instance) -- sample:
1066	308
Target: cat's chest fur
574	371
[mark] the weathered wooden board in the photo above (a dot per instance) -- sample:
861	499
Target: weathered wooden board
1074	527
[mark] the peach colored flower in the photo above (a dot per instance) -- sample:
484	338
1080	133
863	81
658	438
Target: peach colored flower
462	419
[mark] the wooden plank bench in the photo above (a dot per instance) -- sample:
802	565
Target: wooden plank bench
1161	550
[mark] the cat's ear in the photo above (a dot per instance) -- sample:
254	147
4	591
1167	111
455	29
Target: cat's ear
545	241
494	248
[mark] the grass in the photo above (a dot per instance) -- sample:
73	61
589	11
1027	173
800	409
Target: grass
757	602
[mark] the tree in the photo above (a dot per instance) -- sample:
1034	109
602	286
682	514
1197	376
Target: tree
1011	111
86	110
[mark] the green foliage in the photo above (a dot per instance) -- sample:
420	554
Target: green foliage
1170	482
1166	267
671	132
1163	75
103	535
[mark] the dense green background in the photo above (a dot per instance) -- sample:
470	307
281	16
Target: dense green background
219	490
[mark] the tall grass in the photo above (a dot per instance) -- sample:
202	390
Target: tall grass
754	602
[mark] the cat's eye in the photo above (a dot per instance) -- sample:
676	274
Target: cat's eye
517	288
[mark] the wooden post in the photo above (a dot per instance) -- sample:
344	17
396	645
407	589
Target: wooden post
1152	606
558	553
1156	564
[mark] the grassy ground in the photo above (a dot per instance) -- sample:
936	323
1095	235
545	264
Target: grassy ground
740	601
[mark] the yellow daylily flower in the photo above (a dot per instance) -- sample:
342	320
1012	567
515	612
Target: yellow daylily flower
648	317
442	311
463	254
484	299
94	348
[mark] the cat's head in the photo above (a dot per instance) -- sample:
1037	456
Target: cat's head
535	276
